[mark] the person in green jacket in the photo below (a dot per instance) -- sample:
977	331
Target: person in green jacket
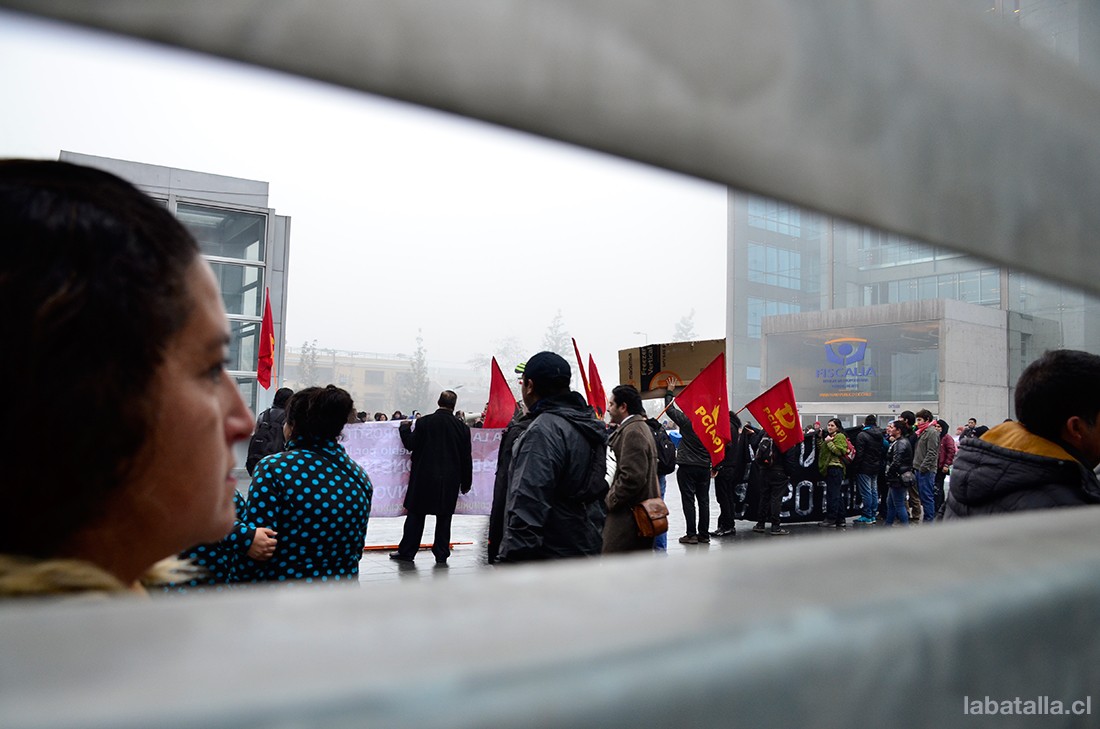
830	449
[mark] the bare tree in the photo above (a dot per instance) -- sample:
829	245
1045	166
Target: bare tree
555	339
307	365
685	328
417	391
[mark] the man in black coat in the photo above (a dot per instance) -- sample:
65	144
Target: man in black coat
870	454
442	465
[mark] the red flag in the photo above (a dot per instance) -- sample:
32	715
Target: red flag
502	404
598	399
705	403
584	377
777	413
265	359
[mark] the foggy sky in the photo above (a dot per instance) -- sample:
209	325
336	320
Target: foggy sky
402	218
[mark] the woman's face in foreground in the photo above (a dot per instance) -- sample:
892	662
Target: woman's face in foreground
185	486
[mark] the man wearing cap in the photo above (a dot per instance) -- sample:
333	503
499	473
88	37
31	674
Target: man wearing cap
553	508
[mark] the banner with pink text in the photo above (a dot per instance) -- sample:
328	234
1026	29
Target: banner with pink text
377	448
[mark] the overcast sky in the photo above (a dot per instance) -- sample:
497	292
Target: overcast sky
402	218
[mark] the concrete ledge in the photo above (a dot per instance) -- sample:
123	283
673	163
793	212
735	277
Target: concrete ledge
891	629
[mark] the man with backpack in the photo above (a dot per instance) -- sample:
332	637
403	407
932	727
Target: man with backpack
268	437
769	467
557	479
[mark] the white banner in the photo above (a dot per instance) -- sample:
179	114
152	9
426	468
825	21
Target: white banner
377	448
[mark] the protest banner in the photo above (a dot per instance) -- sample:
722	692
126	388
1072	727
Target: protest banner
376	446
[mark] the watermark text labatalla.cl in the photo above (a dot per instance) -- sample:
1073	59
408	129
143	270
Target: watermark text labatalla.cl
1018	706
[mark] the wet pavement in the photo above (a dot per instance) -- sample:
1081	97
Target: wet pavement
468	533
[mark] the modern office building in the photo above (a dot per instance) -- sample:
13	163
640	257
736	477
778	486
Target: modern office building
870	322
246	243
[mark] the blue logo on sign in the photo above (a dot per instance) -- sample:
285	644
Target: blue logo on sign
845	351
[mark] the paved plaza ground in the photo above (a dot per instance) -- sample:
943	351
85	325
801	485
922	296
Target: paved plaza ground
469	534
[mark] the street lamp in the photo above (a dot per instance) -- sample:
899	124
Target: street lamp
646	337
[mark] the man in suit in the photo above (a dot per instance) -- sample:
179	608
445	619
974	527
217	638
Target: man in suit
442	465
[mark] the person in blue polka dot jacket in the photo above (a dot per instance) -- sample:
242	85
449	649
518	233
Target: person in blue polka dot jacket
313	495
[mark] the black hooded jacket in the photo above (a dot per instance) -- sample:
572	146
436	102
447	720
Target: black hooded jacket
547	515
870	451
1012	469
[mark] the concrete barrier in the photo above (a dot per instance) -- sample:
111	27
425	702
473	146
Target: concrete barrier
890	629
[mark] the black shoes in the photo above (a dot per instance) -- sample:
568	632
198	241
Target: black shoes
398	557
779	532
723	532
760	528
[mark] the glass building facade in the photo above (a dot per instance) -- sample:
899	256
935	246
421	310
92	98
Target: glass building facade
786	261
245	242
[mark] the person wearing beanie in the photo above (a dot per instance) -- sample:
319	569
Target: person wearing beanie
556	482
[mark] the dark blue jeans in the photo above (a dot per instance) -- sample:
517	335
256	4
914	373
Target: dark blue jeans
695	486
895	503
926	486
834	510
660	542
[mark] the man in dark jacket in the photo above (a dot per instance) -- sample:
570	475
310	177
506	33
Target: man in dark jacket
554	509
771	469
731	472
442	465
515	429
1047	458
868	462
268	437
692	474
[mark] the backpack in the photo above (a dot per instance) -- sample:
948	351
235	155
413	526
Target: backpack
267	439
666	449
850	456
764	451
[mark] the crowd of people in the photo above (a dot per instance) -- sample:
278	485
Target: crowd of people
96	274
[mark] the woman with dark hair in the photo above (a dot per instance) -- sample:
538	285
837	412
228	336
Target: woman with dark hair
313	495
832	448
107	304
899	471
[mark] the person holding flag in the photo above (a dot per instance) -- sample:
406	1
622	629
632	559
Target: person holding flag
705	429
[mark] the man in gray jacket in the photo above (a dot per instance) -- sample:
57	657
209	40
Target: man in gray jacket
926	461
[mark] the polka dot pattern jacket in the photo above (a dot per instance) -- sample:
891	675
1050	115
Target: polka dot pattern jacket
318	500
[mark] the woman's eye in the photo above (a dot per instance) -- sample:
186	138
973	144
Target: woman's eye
215	372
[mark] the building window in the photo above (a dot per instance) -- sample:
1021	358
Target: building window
778	217
757	309
225	233
752	373
775	266
242	288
